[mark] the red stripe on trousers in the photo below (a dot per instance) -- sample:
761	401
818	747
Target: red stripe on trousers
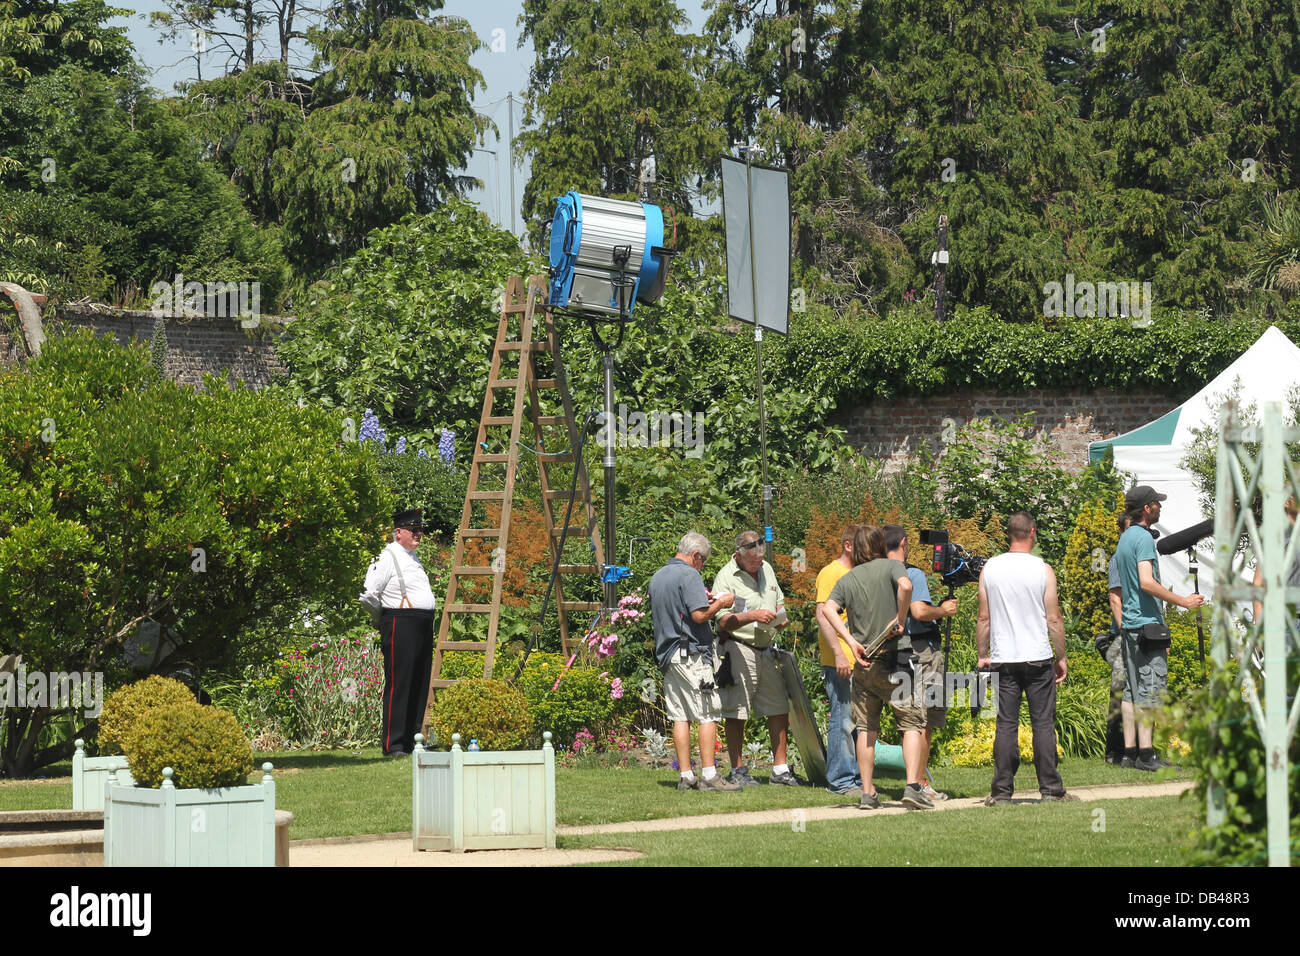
392	685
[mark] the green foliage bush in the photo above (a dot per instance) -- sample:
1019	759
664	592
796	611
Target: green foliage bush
1215	721
1083	576
406	325
214	513
126	705
580	701
489	710
204	746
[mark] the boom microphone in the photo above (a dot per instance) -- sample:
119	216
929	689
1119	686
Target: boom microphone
1182	540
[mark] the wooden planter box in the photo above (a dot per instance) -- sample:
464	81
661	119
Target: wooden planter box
91	774
490	800
233	826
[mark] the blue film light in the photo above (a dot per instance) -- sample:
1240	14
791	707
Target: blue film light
588	234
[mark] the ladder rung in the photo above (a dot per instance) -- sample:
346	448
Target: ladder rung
516	346
547	383
557	493
487	496
544	420
581	605
506	383
484	458
463	646
558	457
573	529
469	570
468	608
499	420
578	569
480	532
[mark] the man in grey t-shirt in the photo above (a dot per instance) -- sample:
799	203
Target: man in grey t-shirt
680	610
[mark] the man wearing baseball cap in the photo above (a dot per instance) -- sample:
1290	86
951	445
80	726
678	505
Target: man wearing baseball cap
1142	624
398	580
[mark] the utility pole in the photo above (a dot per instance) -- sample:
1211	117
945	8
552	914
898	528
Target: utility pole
941	260
510	107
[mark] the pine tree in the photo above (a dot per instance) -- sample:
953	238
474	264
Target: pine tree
617	105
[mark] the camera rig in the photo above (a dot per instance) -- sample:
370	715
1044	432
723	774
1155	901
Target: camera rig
955	566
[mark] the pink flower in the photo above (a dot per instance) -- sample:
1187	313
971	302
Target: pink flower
616	689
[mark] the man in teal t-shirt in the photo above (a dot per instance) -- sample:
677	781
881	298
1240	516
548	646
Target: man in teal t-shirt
1146	657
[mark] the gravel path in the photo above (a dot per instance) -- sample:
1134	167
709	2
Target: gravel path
395	849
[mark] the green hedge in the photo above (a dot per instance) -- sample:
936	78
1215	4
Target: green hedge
908	353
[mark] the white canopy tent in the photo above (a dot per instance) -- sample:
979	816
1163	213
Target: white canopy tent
1266	372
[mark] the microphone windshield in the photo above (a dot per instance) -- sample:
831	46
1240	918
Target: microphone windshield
1182	540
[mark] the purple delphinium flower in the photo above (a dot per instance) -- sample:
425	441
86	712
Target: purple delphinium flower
446	446
422	453
370	430
401	446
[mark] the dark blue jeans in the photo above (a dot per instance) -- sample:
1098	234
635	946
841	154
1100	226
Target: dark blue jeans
1036	680
841	756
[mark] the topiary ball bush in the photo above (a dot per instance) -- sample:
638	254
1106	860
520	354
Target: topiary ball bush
489	710
204	746
128	704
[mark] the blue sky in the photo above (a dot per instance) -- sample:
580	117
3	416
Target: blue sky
505	70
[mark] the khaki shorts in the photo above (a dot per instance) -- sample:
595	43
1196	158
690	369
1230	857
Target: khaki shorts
929	688
683	699
872	689
759	685
1148	671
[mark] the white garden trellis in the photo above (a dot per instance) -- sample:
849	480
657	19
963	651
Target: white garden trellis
1241	477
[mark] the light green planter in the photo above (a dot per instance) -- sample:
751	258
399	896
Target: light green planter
91	774
489	800
232	826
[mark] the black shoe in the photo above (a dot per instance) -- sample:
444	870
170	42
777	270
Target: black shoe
1151	766
1059	798
992	801
787	779
397	752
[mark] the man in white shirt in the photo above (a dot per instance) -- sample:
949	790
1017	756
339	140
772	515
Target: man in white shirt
398	580
1018	612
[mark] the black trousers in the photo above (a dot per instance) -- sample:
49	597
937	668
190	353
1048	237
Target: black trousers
1036	681
406	638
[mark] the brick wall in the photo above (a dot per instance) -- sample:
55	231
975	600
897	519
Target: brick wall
195	346
1067	421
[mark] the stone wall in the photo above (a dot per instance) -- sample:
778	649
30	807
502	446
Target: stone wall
195	346
1068	421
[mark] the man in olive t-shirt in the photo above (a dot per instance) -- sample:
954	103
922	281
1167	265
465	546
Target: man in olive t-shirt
877	594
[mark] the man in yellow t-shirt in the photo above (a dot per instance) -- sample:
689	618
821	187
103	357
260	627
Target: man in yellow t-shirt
842	774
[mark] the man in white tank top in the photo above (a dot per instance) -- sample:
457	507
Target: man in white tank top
1019	611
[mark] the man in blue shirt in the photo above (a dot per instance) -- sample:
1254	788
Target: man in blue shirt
1146	639
680	610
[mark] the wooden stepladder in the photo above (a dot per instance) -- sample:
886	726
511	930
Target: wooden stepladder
521	344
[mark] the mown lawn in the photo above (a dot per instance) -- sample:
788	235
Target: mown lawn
1138	832
345	793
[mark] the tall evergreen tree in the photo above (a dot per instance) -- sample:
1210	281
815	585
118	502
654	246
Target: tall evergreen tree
617	104
1199	100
